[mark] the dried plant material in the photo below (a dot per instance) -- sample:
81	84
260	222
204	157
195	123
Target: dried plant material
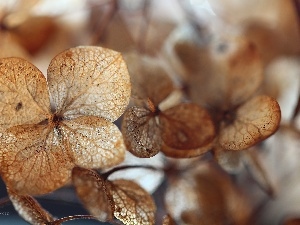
133	205
149	78
148	178
34	32
129	203
230	161
93	193
89	88
10	48
167	220
146	128
206	195
29	31
185	153
241	66
116	28
254	121
258	171
29	209
141	132
181	131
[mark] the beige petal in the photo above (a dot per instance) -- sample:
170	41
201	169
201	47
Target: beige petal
186	126
92	191
141	132
34	159
29	209
24	97
89	81
254	121
94	142
133	205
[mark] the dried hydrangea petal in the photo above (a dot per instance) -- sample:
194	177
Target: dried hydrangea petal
93	141
92	191
254	121
34	159
186	126
89	81
185	153
24	98
133	205
141	132
29	209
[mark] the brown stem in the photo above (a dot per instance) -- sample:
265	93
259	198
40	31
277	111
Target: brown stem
108	173
74	217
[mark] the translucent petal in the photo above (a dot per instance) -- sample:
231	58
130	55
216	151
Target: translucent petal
141	132
24	97
185	153
133	205
186	126
29	209
34	159
92	191
256	120
89	81
149	78
93	141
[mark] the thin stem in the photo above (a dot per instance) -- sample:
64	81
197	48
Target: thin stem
4	201
108	173
68	218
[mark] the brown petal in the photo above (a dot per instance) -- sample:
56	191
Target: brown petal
141	132
23	93
256	120
93	191
186	126
89	81
29	209
185	153
34	159
133	205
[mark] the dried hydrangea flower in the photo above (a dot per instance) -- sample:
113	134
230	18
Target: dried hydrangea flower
103	198
184	130
89	88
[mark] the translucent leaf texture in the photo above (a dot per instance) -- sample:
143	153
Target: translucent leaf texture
185	130
128	202
89	88
254	121
147	127
29	209
93	191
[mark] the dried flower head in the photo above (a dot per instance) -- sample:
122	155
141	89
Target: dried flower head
89	88
184	130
